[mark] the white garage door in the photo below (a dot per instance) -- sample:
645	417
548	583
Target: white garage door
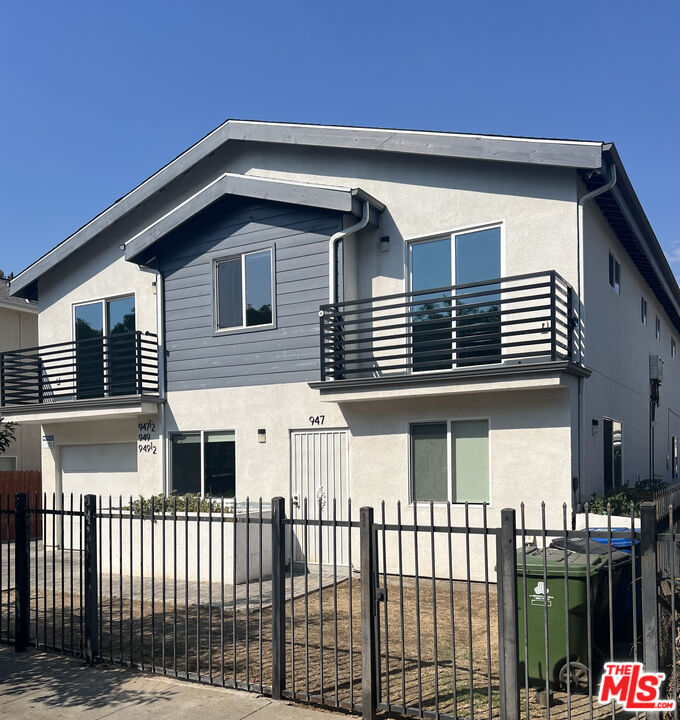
106	469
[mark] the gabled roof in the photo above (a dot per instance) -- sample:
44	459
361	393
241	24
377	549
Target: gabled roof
14	303
620	205
330	197
542	151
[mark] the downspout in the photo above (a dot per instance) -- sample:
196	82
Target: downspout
581	312
160	330
332	250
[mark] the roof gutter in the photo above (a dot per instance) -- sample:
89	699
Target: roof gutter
332	250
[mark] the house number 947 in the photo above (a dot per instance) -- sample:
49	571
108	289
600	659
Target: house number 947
316	419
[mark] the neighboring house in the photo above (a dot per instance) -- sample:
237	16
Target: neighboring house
19	329
330	312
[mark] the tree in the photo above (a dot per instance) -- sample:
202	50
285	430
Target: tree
6	435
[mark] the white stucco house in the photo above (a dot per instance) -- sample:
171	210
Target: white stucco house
332	312
19	329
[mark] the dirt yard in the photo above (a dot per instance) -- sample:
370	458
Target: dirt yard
323	655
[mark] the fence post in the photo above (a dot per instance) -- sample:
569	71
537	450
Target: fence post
90	519
278	597
506	570
648	566
369	655
21	570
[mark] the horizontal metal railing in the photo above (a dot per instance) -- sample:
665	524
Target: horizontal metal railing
513	319
99	367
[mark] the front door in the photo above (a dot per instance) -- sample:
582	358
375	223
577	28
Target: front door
319	478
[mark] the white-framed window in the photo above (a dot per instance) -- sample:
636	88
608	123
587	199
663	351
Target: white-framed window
657	328
675	470
614	274
450	461
203	463
643	311
7	462
674	350
244	290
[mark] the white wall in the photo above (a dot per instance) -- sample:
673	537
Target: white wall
617	350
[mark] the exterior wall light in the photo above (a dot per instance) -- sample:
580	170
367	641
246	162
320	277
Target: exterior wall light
262	436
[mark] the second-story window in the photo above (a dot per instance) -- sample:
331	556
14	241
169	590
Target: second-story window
657	328
614	274
674	351
643	311
244	290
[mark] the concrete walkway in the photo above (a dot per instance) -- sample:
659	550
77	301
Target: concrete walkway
40	685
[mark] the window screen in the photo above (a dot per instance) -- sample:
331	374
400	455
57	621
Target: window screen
470	461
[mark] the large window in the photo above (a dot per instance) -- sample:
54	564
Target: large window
204	463
450	461
244	290
470	335
613	453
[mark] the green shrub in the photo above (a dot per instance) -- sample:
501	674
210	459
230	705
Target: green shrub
192	503
620	500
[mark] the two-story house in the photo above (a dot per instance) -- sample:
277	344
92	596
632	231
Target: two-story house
330	312
19	329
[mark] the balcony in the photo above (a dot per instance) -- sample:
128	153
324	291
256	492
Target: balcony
111	370
485	329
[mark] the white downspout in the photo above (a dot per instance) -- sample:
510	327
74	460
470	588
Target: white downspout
332	247
581	311
160	331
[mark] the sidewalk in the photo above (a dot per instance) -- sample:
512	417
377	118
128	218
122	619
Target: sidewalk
42	685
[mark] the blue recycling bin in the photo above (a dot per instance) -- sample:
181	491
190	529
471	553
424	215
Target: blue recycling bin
623	589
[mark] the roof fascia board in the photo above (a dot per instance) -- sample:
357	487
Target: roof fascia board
627	200
19	306
565	153
340	199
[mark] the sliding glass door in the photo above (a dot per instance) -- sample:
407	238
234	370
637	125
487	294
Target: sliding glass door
105	366
89	337
462	326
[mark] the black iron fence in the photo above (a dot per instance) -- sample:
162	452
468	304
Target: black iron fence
527	317
417	611
92	368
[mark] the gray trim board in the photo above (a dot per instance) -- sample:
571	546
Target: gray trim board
96	403
328	197
565	153
449	378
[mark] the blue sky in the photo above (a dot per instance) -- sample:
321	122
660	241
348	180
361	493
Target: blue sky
97	96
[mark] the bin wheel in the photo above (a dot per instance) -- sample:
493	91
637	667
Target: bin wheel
575	674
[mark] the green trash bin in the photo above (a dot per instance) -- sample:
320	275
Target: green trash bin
550	599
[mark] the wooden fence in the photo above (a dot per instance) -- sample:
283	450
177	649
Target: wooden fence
12	482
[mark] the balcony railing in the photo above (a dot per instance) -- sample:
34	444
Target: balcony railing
94	368
510	320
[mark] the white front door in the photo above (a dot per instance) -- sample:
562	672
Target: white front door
320	479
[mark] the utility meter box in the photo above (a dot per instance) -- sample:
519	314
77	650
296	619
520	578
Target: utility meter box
655	368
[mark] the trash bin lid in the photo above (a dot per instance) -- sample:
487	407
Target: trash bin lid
554	563
595	547
620	543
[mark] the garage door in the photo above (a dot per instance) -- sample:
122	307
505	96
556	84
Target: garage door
103	470
106	469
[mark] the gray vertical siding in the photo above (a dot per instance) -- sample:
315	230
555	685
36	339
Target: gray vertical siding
197	356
